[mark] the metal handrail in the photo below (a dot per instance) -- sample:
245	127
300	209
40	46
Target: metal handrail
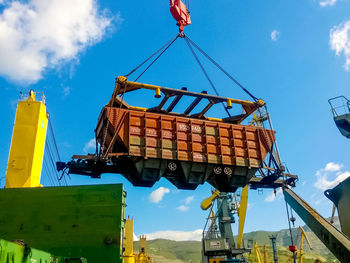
345	105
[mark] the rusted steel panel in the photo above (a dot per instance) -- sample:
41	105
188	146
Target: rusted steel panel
186	151
152	135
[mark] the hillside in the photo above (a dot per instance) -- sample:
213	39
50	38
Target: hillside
168	251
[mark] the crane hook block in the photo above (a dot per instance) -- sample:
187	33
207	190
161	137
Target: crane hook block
179	11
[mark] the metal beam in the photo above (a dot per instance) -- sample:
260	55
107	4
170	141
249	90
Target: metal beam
193	104
124	86
332	238
175	102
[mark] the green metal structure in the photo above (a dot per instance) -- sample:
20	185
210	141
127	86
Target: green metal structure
335	240
11	252
74	222
340	196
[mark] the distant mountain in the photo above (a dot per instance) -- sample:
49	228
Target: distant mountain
168	251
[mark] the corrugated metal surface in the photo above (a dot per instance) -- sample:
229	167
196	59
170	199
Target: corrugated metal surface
152	135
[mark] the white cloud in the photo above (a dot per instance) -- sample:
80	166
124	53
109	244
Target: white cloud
135	237
340	41
275	35
272	196
327	3
195	235
157	195
330	176
188	199
38	34
182	208
333	167
91	145
66	91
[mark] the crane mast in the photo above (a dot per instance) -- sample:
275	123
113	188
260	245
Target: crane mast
28	143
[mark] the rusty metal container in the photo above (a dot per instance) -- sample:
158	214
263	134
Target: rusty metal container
187	151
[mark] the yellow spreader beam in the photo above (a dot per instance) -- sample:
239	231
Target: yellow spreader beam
27	145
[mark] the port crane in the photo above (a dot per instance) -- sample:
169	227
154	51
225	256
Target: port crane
218	244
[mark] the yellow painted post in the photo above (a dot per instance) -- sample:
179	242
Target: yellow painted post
257	252
128	256
28	143
242	211
301	252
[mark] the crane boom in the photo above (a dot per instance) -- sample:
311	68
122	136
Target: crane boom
337	242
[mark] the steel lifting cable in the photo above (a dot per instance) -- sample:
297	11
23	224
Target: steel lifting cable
222	69
52	162
52	155
155	53
205	73
162	50
48	173
290	231
165	49
56	150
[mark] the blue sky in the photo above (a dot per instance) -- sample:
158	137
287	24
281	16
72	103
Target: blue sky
293	54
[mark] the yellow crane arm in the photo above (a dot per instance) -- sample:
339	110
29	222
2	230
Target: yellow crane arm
242	211
257	252
208	202
303	233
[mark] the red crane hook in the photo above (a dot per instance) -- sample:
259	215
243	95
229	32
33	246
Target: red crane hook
182	16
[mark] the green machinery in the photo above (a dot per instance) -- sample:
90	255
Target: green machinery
74	222
17	252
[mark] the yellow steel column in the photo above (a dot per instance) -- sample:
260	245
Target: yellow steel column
242	211
128	256
257	252
27	145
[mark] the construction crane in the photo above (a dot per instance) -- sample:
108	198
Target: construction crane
218	244
303	236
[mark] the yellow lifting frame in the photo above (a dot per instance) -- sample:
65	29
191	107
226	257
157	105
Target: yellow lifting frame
28	144
124	85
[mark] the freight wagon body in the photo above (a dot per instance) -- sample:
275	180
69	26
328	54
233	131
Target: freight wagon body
186	151
188	148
